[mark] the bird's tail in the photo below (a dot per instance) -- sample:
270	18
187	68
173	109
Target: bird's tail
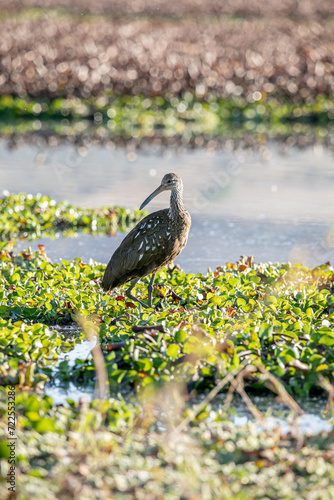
108	278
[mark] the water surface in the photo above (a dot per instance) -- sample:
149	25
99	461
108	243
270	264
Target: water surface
275	203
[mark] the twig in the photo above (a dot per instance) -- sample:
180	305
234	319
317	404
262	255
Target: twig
281	391
102	382
245	353
116	346
147	334
211	395
148	328
229	398
174	295
289	336
325	384
238	385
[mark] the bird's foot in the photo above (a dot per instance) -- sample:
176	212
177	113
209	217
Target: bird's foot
174	295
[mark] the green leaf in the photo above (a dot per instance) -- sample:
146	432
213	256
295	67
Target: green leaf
180	336
241	302
216	299
4	449
145	364
45	425
326	340
271	299
265	331
173	350
15	278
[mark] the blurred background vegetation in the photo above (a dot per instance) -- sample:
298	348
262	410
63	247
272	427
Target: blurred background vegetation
142	69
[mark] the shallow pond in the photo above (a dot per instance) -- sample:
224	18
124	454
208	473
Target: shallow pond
274	203
311	422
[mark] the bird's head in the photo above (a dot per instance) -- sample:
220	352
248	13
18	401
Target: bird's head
169	183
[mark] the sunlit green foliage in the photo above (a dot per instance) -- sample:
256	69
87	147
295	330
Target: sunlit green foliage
273	318
28	216
25	350
272	315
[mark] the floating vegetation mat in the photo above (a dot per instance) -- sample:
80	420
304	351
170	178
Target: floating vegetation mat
31	217
185	120
174	9
181	82
245	327
277	317
59	56
196	71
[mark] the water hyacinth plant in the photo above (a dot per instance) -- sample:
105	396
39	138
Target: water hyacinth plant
274	316
30	217
245	328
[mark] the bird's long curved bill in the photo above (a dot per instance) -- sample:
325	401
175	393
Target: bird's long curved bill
153	195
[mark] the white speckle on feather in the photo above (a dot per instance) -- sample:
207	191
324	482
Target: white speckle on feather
136	235
147	248
140	257
153	248
168	233
149	226
141	244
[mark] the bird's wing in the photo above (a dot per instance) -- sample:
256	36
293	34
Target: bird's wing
144	249
148	243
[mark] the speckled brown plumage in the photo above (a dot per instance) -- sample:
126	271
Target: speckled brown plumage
155	241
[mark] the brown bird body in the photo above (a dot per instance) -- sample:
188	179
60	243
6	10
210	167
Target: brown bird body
155	241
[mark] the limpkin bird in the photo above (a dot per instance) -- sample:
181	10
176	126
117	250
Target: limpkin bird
155	242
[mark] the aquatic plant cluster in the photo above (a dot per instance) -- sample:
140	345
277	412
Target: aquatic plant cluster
30	217
194	73
175	9
273	315
186	119
266	326
77	452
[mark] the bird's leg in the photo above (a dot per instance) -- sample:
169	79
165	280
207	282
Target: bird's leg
132	297
173	294
150	290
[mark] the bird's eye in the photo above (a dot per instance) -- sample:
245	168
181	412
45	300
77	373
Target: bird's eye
169	181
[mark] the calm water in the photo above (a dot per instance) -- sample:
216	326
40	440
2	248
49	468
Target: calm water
60	392
275	204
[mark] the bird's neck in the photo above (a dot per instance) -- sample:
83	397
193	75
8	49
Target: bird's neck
176	207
